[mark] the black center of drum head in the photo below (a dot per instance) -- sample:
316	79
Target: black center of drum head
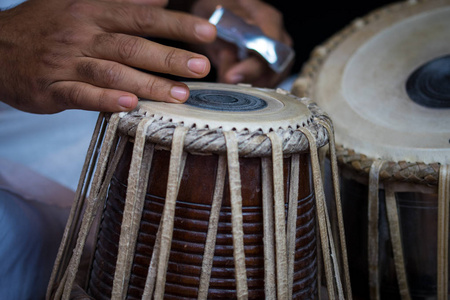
429	85
225	100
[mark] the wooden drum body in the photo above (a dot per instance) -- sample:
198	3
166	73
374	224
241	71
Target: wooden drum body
216	198
192	213
384	82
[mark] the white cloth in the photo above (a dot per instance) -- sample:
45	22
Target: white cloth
30	236
52	145
33	213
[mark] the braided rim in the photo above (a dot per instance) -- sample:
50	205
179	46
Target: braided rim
415	172
212	141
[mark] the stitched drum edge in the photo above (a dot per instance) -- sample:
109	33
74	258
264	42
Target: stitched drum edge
251	144
403	171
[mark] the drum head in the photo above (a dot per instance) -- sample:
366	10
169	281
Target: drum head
250	112
238	107
385	82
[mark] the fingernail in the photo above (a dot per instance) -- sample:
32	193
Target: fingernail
205	31
197	65
179	93
125	101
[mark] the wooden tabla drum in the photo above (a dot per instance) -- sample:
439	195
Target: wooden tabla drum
385	83
221	197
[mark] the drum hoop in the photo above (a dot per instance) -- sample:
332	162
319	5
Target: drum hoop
414	172
402	171
207	141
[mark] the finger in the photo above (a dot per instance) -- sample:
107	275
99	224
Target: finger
80	95
226	60
287	39
148	55
260	12
112	75
247	70
148	21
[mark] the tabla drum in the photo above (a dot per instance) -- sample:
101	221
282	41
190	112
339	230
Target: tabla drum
221	197
384	81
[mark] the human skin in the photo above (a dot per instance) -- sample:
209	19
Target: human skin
96	55
253	70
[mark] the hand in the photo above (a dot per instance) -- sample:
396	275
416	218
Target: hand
224	56
91	54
